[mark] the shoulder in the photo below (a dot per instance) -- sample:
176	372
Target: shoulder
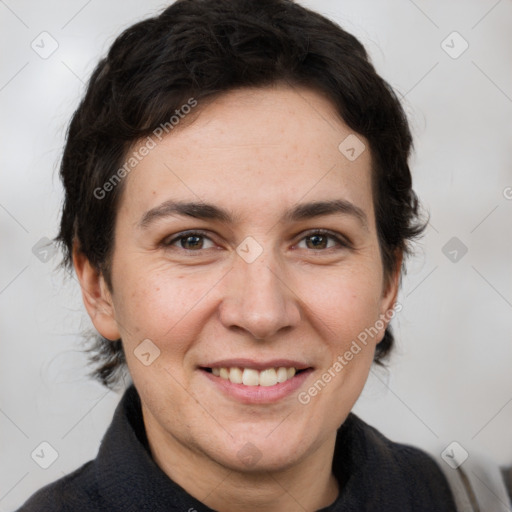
409	461
399	474
474	483
74	492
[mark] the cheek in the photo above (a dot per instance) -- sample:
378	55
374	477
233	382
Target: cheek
344	310
346	302
160	304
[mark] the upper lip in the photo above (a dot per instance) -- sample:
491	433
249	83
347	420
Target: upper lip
257	365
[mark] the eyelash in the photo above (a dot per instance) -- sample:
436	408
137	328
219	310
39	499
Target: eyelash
342	242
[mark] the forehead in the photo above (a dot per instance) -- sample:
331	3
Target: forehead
252	149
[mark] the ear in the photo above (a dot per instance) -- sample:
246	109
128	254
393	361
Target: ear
391	287
96	296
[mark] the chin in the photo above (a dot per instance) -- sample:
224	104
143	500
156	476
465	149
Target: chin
264	451
250	459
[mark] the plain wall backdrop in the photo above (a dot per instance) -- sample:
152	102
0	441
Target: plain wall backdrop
450	377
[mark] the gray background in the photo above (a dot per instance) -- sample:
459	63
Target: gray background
450	377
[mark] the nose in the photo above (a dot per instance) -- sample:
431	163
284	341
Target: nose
258	299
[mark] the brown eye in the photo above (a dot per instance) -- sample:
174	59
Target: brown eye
319	240
316	241
191	241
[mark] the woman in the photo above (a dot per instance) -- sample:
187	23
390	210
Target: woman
238	205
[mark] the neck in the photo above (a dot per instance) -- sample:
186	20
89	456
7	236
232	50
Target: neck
273	493
308	486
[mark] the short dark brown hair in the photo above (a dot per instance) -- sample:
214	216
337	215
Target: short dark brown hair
200	49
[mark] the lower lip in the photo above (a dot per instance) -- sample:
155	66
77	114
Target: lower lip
258	394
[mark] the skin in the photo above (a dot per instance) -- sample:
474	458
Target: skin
256	153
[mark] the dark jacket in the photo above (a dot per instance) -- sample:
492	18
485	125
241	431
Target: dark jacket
375	474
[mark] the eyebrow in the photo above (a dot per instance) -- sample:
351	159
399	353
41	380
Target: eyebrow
206	211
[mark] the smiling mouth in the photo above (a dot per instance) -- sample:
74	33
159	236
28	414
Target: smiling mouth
252	377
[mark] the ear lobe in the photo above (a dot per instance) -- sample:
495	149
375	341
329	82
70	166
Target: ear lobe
96	296
390	293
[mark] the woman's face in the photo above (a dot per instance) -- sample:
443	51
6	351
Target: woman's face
246	250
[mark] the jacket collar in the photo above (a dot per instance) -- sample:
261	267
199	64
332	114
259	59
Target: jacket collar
374	473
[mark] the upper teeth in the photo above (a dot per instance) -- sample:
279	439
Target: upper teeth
251	377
